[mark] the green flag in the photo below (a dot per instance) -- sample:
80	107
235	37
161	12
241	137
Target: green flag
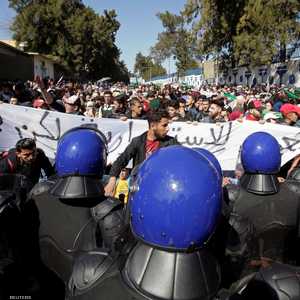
229	96
291	95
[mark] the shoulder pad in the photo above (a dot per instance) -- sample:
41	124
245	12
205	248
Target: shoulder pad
104	208
88	269
281	279
40	188
233	192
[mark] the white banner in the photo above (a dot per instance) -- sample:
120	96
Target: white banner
224	139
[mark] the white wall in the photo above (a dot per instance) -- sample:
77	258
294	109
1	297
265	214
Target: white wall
192	80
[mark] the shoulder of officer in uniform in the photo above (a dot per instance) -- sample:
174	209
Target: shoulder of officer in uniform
41	188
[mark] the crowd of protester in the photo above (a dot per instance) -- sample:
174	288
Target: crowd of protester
245	198
208	104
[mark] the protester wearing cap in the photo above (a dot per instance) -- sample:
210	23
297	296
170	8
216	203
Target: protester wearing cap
235	115
72	105
291	114
272	117
239	103
90	109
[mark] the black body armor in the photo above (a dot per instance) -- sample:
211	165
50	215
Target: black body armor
79	224
265	216
146	273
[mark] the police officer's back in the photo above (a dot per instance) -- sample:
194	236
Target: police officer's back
64	202
265	213
174	210
21	269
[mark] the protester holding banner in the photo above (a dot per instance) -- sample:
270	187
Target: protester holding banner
135	109
294	165
251	103
215	112
142	146
72	105
291	114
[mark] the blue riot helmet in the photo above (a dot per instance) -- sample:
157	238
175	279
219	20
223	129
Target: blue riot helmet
260	154
82	151
177	199
211	158
80	164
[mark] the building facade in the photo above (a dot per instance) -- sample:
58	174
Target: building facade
16	64
278	73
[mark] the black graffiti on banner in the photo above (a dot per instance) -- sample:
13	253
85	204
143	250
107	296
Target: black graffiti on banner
219	136
50	135
221	139
290	144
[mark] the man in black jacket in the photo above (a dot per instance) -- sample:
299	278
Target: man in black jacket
142	146
26	159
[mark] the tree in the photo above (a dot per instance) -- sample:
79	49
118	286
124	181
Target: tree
147	68
83	41
214	23
243	31
19	5
176	41
266	29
